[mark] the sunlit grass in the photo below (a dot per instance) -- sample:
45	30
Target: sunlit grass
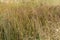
29	21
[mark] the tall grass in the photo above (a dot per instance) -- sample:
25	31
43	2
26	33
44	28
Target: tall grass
29	22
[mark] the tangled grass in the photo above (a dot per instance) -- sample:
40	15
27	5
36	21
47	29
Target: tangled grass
29	23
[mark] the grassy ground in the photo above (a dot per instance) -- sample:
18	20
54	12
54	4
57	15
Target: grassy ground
29	22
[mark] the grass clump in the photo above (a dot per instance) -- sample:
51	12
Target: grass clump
29	22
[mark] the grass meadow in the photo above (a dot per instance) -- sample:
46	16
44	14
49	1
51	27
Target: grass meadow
29	22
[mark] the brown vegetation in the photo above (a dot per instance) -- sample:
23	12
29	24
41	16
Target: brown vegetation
30	23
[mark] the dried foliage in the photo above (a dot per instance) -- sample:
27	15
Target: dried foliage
27	22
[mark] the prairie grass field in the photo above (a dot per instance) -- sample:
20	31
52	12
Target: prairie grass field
29	22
